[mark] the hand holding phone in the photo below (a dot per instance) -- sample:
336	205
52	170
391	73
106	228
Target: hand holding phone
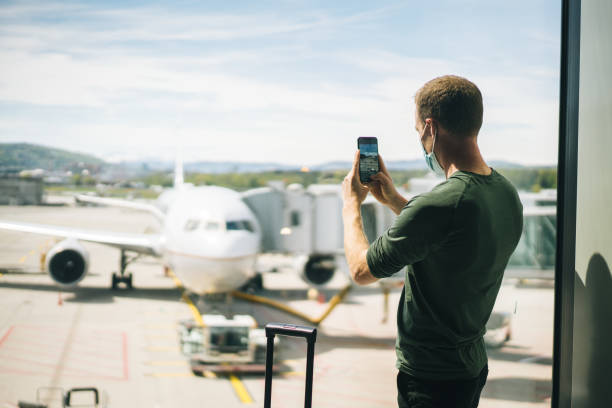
384	191
368	158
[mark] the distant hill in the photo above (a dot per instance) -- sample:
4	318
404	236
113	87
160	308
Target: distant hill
237	167
19	156
501	164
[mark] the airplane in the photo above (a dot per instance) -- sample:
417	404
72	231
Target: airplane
209	237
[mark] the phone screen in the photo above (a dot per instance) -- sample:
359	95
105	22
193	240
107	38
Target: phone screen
368	158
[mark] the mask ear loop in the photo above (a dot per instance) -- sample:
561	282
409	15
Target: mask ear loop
433	145
423	135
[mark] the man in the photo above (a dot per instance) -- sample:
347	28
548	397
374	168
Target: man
455	242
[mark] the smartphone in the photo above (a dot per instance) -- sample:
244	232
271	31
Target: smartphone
368	157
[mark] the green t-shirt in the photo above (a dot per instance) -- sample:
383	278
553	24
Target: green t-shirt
455	241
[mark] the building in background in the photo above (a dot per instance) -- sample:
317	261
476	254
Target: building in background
17	190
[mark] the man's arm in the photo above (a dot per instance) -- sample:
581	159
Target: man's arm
356	245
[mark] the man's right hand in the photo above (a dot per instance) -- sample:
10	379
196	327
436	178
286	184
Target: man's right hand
382	188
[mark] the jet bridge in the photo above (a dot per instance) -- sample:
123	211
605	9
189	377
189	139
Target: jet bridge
307	222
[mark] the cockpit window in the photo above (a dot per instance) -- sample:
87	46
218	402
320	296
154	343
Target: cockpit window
245	225
212	226
191	225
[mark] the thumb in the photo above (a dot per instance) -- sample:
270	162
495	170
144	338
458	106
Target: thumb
356	161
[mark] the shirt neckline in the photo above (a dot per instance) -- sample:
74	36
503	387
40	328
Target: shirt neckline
493	172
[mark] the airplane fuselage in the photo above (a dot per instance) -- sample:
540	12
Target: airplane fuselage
210	239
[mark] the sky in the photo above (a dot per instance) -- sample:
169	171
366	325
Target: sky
294	82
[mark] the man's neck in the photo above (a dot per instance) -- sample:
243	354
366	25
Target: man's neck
482	170
464	157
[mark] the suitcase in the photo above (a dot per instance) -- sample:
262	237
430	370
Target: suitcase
310	334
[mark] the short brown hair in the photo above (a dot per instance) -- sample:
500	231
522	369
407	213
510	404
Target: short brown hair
453	101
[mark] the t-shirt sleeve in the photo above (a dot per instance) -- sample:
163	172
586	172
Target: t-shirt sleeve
421	227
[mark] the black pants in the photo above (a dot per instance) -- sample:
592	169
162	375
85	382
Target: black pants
413	392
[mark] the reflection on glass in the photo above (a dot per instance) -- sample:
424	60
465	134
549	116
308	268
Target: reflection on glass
537	246
520	330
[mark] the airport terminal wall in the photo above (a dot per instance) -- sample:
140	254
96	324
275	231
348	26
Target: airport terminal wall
583	287
592	354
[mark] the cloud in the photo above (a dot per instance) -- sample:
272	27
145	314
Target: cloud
107	80
155	24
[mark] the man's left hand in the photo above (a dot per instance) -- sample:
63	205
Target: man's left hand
353	191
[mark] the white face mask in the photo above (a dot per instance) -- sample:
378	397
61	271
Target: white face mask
430	158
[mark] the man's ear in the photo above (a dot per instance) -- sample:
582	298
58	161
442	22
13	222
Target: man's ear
433	127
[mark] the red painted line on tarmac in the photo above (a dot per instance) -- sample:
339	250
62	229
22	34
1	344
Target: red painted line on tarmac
125	357
85	352
25	349
11	370
88	337
8	333
64	329
52	354
77	349
108	352
67	371
80	347
13	349
114	372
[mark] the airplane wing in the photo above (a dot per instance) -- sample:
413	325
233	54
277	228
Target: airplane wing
147	244
115	202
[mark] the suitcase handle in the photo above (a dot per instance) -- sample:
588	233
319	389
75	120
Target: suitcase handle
310	334
86	389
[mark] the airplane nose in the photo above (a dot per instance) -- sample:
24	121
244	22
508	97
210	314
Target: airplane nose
239	244
247	241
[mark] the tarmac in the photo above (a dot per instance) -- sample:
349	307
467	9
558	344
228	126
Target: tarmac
126	343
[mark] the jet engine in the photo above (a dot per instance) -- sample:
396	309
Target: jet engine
67	262
316	270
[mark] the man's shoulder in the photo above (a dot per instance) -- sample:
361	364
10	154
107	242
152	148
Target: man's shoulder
480	190
443	197
448	192
474	181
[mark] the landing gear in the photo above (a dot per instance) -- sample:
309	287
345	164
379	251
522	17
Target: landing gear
255	284
117	279
123	277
